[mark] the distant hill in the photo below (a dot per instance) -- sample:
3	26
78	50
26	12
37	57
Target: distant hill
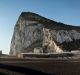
34	33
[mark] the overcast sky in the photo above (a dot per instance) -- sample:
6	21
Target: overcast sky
66	11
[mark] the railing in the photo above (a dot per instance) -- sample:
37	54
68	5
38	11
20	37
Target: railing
49	55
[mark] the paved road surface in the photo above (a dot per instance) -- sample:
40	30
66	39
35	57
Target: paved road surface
44	65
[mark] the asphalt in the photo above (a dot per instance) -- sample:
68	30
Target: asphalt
42	65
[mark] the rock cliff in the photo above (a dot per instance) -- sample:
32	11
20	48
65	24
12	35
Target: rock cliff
47	36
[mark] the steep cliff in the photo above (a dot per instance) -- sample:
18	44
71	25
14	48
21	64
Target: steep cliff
34	31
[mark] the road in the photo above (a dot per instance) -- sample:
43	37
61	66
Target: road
44	65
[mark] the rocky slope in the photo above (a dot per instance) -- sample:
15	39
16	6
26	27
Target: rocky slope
34	33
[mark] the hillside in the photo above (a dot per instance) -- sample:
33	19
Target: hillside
36	34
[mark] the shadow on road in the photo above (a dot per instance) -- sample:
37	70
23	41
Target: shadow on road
22	70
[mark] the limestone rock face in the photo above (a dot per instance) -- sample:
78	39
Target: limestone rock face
33	31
